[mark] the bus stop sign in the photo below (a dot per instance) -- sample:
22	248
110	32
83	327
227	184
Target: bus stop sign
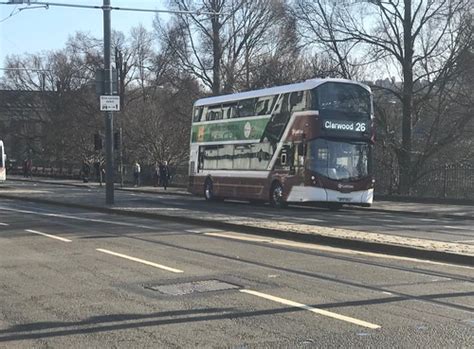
109	103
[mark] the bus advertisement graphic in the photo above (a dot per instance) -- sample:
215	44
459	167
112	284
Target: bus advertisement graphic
230	131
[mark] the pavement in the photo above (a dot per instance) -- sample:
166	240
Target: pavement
415	208
379	242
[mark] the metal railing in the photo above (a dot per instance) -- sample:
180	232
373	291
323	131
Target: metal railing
443	182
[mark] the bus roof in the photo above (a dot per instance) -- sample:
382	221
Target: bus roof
301	86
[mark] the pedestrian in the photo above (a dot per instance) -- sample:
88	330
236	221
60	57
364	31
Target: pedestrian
164	174
156	175
25	168
136	174
102	174
97	172
29	168
86	171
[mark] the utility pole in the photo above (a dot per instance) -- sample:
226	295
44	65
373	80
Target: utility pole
108	80
109	116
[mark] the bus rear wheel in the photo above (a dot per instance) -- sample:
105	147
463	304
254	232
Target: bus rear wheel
208	190
276	196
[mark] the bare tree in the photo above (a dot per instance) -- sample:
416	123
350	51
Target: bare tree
416	40
157	129
219	49
65	112
317	21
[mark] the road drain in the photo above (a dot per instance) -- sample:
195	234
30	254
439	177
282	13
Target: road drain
185	288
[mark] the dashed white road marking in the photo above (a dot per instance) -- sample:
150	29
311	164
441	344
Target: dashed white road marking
48	235
4	224
281	242
459	228
266	214
312	309
202	231
383	220
234	236
78	218
309	219
159	266
238	237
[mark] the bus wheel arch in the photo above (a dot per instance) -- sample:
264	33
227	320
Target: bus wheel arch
276	195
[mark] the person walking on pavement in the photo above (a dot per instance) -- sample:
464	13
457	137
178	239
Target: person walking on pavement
136	173
97	172
86	171
29	168
102	174
164	174
156	175
25	168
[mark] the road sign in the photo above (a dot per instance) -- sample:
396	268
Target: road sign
100	82
109	103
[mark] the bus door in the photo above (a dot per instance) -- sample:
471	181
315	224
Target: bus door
195	160
3	170
317	166
299	159
287	162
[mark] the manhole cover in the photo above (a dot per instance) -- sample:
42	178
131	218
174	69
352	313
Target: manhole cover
185	288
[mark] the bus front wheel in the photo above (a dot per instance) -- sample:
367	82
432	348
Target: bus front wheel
276	196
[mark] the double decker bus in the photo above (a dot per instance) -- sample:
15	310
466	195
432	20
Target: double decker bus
304	142
3	163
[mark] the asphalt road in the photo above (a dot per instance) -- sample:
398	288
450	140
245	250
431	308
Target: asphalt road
395	223
74	278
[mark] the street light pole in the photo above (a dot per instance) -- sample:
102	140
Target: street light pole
109	116
108	89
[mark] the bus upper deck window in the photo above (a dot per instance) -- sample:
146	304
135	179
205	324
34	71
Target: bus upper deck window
229	111
197	114
214	113
297	101
246	107
343	97
262	107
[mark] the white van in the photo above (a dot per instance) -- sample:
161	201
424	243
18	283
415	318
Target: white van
3	163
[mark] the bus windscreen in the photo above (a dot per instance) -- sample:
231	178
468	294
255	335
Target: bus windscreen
339	160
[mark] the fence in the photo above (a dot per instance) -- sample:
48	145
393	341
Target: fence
445	182
178	174
65	172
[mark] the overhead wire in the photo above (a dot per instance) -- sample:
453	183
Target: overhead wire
13	13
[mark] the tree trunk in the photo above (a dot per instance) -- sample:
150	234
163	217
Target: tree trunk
216	53
407	103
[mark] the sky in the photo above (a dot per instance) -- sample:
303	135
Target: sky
37	30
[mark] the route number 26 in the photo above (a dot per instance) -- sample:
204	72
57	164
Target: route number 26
360	127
